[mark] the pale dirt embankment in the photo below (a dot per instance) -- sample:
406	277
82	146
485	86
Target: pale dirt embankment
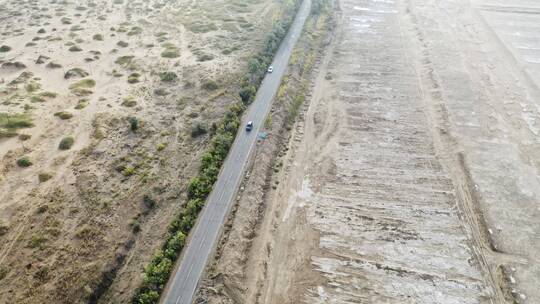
412	178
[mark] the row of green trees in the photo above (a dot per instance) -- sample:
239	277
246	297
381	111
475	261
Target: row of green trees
259	64
158	271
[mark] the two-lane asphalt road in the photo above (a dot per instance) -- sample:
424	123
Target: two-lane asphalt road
205	234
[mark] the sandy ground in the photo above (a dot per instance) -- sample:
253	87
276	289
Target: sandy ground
63	238
413	177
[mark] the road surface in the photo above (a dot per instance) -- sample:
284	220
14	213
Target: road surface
206	233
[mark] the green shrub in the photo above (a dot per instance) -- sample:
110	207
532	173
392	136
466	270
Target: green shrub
247	93
83	83
37	98
36	240
161	146
53	65
199	27
170	53
134	31
43	177
63	115
148	297
81	87
135	225
205	57
161	92
128	171
4	271
134	78
149	202
32	86
157	273
129	102
24	162
98	37
81	104
15	121
76	28
48	94
133	123
66	143
122	44
24	137
198	129
75	48
175	245
75	72
210	85
168	76
5	48
7	133
124	60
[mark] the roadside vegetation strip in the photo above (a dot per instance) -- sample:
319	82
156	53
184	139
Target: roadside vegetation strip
159	269
295	84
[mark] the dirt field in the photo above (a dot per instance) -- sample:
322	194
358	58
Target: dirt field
412	177
104	107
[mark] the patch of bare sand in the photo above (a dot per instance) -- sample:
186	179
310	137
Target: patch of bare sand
126	80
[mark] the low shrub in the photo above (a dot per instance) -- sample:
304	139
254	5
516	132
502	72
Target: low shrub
24	137
36	240
168	76
5	48
24	162
4	271
149	202
32	86
210	85
128	171
43	177
53	65
66	143
134	78
170	53
15	121
75	48
75	72
129	102
124	60
63	115
82	87
205	57
7	133
198	129
136	30
161	92
133	123
161	146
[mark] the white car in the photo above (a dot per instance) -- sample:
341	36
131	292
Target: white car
249	126
270	69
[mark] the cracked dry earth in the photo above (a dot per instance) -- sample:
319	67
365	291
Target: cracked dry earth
414	176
